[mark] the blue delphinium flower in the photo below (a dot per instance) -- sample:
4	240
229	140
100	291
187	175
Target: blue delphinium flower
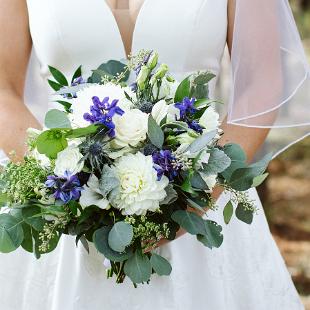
77	81
65	188
187	109
165	164
103	112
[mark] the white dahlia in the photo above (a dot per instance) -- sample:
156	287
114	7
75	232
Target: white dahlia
82	103
140	190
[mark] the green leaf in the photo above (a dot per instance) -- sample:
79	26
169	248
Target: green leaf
198	182
100	239
82	132
109	180
57	119
259	179
197	204
187	185
190	221
155	133
217	163
204	78
120	236
54	85
77	73
201	142
65	104
228	212
11	233
58	76
242	178
111	69
27	244
212	237
238	159
160	265
183	90
29	217
51	142
243	214
138	268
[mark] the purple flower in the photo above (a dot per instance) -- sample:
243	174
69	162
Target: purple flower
165	164
77	81
103	112
187	109
64	188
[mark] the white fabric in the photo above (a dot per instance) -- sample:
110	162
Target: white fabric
271	73
247	272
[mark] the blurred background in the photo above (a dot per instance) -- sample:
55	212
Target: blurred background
286	193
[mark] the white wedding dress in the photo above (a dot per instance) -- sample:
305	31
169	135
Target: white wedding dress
246	273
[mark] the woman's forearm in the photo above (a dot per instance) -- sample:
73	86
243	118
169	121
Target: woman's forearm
15	118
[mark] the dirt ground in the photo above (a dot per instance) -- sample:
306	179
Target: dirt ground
286	199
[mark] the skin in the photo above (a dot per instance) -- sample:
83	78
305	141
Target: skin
15	49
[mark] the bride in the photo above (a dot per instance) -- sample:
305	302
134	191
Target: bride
269	74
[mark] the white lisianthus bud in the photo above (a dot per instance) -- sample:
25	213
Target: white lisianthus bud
153	60
209	120
142	76
107	263
210	180
161	72
70	160
160	111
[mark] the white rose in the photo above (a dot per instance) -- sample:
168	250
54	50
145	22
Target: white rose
209	120
91	195
70	159
130	128
160	111
82	103
140	190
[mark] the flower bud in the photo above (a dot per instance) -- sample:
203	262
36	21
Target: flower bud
143	75
153	60
161	72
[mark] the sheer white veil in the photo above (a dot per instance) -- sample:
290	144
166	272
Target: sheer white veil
271	80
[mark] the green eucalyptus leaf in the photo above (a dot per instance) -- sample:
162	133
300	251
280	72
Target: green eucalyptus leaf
138	268
51	142
28	243
228	212
29	217
212	237
82	132
58	76
57	119
190	221
243	214
201	142
198	182
120	236
259	179
100	239
183	90
204	78
11	233
217	163
160	265
109	180
155	133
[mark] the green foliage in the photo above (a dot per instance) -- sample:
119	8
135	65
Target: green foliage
51	142
244	214
67	105
155	133
109	180
199	85
201	142
190	221
58	76
100	239
212	237
21	180
138	268
183	90
228	212
120	236
160	265
11	233
56	119
217	163
82	132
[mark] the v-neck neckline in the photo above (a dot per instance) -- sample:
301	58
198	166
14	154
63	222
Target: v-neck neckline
116	25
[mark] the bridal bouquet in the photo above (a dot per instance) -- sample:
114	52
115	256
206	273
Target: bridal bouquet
124	165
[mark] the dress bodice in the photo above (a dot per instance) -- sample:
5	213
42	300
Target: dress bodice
189	35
